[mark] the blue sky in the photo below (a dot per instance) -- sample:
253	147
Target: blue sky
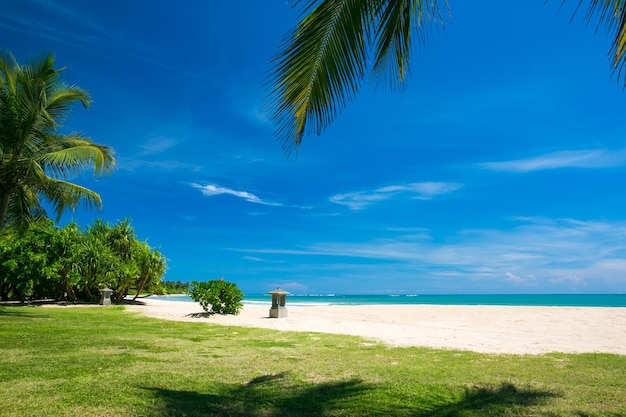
499	169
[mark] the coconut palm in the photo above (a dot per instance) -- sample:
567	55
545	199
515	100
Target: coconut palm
36	160
324	60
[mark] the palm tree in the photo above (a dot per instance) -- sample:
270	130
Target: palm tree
324	60
151	264
35	159
96	263
120	238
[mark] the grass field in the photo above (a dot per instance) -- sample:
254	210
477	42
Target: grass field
104	361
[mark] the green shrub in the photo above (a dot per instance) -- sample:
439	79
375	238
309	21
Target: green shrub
221	296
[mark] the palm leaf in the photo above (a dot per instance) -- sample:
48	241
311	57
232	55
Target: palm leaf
69	155
319	69
323	61
396	24
65	195
62	98
24	209
8	66
612	15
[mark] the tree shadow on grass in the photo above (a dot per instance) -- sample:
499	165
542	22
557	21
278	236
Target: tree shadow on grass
492	401
281	396
267	395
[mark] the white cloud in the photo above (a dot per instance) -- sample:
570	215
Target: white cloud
358	200
575	281
613	264
253	258
421	191
428	190
548	255
519	280
212	190
591	158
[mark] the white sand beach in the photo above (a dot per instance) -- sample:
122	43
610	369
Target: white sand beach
487	329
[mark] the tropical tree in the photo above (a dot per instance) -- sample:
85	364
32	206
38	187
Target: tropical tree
325	58
120	238
68	240
111	256
151	265
26	265
40	263
96	263
36	160
64	263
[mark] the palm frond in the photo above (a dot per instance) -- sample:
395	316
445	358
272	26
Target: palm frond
612	15
323	61
24	209
62	98
64	195
396	24
69	155
8	66
318	69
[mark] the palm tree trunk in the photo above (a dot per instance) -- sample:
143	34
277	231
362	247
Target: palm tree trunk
142	284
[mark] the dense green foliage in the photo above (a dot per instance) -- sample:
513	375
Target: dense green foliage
35	158
67	263
217	296
98	361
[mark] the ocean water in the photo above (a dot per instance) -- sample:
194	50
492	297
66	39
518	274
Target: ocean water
569	300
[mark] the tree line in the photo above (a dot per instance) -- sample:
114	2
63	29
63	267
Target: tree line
173	287
68	263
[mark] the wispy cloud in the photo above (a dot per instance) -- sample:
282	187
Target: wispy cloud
591	158
519	280
23	21
88	33
545	254
213	190
420	191
254	259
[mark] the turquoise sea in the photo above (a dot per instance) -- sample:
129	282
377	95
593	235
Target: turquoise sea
571	300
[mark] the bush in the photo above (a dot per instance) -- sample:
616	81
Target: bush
221	296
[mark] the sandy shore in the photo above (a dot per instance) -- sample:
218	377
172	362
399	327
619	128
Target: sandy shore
488	329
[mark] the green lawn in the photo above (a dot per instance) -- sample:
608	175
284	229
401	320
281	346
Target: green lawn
104	361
